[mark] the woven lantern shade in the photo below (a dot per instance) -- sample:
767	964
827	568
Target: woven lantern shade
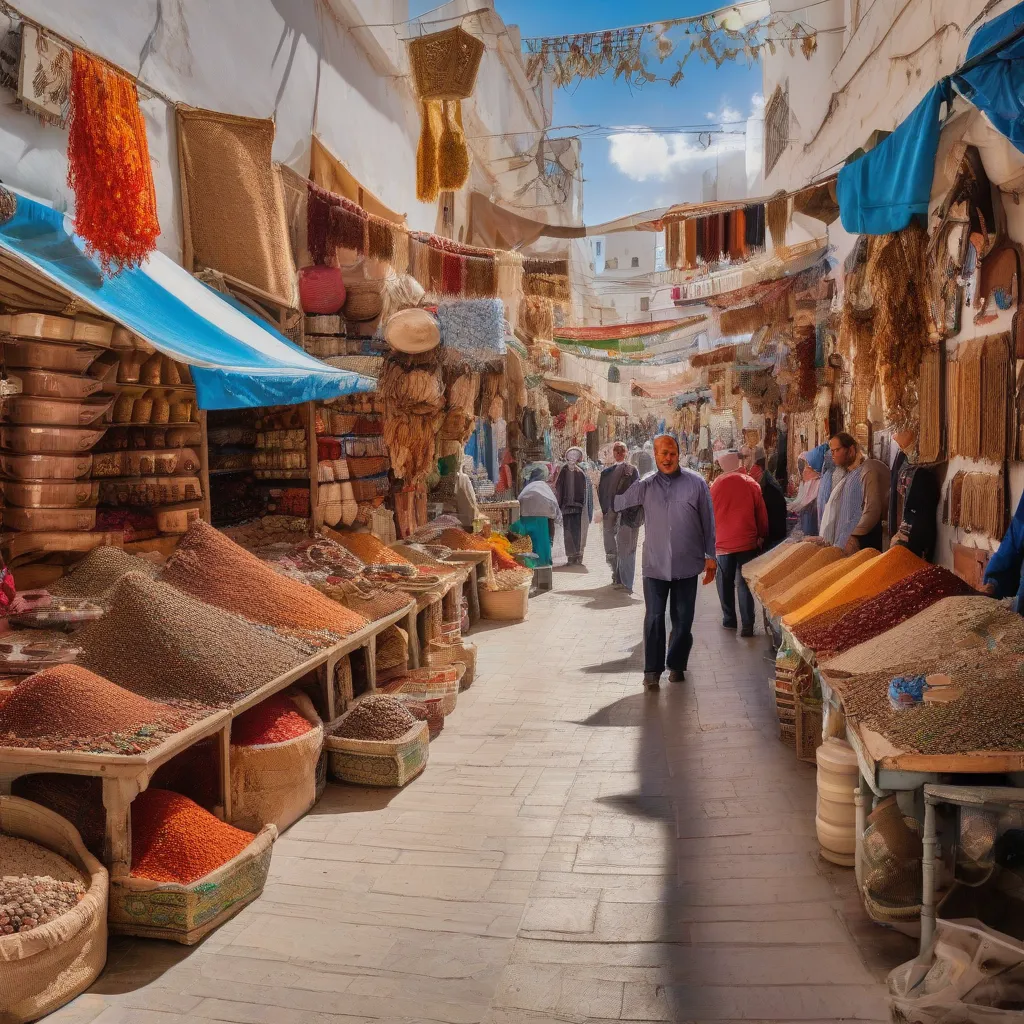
444	69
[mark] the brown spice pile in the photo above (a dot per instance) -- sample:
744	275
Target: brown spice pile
71	708
987	716
216	570
98	572
163	644
811	632
377	717
917	592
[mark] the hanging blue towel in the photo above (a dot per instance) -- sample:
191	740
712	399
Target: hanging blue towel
886	188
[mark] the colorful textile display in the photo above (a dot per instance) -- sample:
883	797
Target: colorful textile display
333	223
109	167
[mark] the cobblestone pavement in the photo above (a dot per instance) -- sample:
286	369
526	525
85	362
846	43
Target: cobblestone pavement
576	850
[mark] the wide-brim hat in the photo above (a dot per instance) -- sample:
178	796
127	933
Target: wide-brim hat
412	331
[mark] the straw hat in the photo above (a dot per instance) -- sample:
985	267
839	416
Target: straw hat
412	331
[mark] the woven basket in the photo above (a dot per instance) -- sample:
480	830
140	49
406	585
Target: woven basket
371	487
361	468
445	64
42	969
275	783
386	763
808	729
364	446
428	711
364	301
440	654
185	913
430	684
505	605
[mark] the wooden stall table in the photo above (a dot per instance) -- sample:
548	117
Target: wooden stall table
124	776
481	560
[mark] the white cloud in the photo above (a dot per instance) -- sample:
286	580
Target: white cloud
668	156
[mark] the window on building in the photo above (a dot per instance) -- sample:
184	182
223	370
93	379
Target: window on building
635	261
645	304
597	248
776	127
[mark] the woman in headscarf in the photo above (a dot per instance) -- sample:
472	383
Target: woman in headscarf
805	504
573	491
466	507
538	513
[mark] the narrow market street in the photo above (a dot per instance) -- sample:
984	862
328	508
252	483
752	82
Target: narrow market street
576	850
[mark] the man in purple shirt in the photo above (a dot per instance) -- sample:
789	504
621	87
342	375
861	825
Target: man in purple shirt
679	545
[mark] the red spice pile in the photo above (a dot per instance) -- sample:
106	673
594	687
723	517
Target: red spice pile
901	601
70	708
214	569
275	720
175	840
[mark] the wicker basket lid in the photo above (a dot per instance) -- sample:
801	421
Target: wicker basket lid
412	331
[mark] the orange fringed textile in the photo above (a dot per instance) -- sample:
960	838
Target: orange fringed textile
108	166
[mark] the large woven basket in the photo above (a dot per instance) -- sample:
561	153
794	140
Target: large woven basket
386	763
42	969
505	605
185	913
275	783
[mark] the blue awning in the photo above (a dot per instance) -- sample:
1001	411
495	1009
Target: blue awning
236	359
886	188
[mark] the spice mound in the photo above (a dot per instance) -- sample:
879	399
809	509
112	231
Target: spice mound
175	840
275	720
214	569
369	549
27	901
98	572
459	540
70	708
163	644
377	717
900	602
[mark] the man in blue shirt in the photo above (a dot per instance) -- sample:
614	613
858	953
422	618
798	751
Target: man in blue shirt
679	545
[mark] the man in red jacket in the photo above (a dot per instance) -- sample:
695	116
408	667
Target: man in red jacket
741	525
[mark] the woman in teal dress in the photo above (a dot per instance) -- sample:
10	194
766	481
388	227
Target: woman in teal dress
538	513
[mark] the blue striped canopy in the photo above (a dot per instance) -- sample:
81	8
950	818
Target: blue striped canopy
236	359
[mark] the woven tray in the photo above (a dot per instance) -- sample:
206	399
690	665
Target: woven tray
378	762
185	913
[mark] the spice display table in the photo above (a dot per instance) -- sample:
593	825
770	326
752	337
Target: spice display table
125	776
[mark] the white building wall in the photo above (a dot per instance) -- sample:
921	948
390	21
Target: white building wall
313	66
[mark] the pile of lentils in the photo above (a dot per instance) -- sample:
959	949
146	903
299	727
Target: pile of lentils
27	901
98	572
920	590
377	717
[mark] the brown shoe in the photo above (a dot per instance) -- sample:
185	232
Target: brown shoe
652	680
677	677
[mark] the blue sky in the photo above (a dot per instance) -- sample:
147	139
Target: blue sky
625	174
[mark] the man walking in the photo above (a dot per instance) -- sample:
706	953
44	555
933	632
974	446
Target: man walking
741	526
679	546
620	528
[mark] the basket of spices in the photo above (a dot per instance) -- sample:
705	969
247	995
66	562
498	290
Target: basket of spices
423	684
377	743
190	871
275	747
53	909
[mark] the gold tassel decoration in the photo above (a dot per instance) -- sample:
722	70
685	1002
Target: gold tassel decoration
452	152
427	151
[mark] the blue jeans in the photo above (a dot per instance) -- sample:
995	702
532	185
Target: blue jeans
729	578
681	597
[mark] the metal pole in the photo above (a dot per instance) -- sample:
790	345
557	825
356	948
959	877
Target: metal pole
928	877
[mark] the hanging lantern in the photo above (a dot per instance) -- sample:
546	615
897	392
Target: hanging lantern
444	69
